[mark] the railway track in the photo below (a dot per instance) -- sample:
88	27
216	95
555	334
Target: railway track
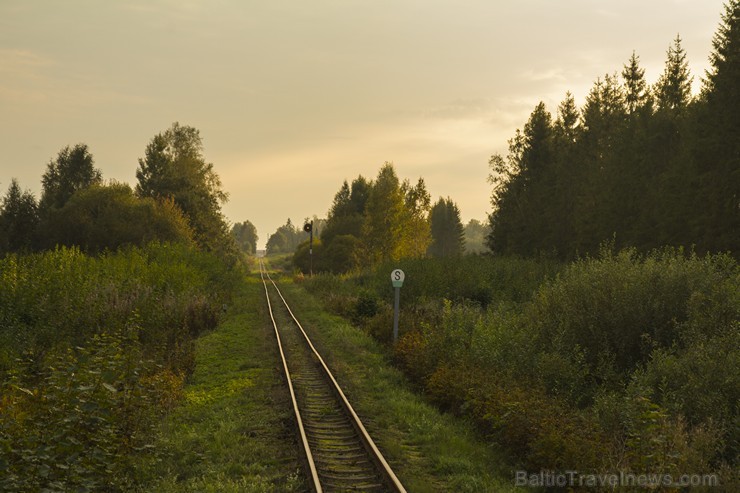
338	452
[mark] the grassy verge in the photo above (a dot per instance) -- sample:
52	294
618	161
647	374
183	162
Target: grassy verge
234	429
429	451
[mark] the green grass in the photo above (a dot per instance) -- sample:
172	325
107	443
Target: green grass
428	450
234	429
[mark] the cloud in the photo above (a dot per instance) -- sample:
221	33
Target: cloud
24	76
21	62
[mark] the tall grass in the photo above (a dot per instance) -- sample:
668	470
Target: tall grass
91	349
622	362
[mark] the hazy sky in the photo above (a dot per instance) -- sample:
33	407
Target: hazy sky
293	97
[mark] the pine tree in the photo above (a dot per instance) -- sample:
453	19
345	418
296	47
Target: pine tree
507	198
636	93
18	219
567	135
524	181
567	125
604	120
673	89
717	150
448	237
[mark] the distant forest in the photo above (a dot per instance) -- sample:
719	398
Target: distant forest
642	166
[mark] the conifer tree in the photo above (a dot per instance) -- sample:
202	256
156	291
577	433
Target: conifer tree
637	93
524	183
448	237
717	149
18	219
673	89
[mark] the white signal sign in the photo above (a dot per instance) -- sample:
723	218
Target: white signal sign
397	277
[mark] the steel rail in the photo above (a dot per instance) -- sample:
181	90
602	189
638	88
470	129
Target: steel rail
315	483
384	468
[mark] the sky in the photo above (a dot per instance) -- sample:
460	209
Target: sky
292	98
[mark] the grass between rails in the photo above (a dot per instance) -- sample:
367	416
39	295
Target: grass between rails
429	451
234	430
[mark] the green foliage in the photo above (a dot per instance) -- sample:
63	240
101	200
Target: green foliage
483	280
303	260
74	424
716	174
64	296
382	229
448	237
621	362
341	254
91	349
475	234
416	233
673	90
286	239
625	305
347	211
73	170
246	237
174	168
646	167
374	221
18	219
107	217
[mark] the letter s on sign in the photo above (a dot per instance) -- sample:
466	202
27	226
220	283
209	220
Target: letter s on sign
397	277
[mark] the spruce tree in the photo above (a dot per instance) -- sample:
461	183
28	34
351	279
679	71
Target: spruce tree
448	237
636	90
717	148
18	219
673	89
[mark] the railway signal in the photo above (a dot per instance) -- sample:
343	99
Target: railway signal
308	228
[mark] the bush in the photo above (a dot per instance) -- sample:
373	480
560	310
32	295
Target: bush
91	349
65	297
620	362
623	306
75	424
107	217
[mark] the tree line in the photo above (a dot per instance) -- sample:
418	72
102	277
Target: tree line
642	166
177	198
371	221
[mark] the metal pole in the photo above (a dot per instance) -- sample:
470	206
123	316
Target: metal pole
310	252
396	304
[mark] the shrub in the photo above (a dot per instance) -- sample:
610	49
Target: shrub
106	217
92	349
74	424
621	362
